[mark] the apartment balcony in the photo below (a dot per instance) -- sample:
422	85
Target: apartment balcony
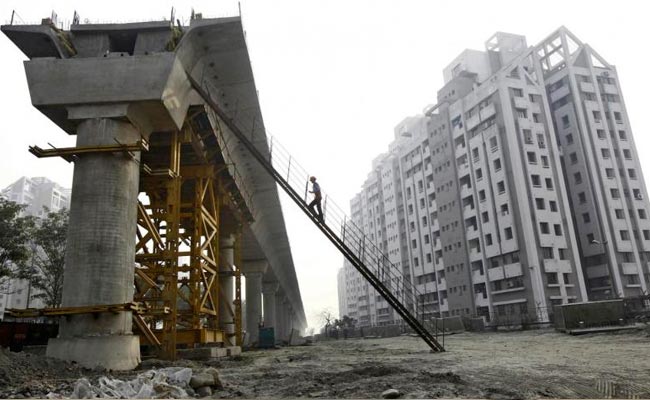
554	265
597	271
559	93
478	276
465	191
629	268
513	270
463	169
609	88
471	122
488	111
495	274
481	299
442	285
469	211
474	254
521	102
587	87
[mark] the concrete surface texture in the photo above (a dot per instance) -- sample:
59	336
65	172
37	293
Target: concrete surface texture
100	252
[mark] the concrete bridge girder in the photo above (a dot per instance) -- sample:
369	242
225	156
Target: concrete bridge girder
151	92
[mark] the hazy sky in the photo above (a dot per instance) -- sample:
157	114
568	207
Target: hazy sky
334	78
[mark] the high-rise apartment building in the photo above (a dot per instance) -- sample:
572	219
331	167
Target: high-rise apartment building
512	198
34	193
606	186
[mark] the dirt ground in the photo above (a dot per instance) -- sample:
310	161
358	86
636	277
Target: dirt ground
530	364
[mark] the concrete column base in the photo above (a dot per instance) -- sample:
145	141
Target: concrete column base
117	353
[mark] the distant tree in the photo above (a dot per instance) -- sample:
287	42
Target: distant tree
348	322
45	269
14	238
326	318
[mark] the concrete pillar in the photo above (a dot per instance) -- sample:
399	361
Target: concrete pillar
100	252
227	288
269	291
254	271
280	318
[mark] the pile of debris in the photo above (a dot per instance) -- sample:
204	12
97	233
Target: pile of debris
165	383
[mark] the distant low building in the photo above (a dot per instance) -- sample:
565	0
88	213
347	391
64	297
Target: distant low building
36	193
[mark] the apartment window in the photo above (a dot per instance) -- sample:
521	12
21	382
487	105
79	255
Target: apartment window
532	157
625	235
582	198
426	239
537	182
540	141
642	214
565	121
424	221
549	183
504	209
408	192
410	209
590	238
558	229
429	259
537	118
522	113
508	233
543	227
475	153
501	187
605	153
517	92
552	205
637	194
488	240
609	172
646	234
412	226
539	203
493	143
497	164
528	136
574	158
416	262
597	116
563	254
616	194
617	117
479	174
569	138
586	218
481	195
485	217
632	173
547	253
414	244
551	278
622	135
627	154
422	203
545	163
619	213
577	178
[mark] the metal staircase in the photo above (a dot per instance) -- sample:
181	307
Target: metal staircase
348	238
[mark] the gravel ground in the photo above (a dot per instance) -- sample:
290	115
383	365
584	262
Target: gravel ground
530	364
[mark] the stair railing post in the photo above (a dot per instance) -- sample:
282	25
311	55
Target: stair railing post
343	229
306	188
324	208
288	169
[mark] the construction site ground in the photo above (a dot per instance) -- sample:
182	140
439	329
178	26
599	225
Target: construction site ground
525	364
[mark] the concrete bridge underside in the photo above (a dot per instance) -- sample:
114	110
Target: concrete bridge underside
129	85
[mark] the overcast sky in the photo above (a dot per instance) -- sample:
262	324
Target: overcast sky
334	78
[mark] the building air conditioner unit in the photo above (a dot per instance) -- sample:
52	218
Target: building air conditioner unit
639	196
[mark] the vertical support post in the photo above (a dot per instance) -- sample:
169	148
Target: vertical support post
239	338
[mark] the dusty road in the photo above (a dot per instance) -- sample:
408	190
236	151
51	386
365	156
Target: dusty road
531	364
